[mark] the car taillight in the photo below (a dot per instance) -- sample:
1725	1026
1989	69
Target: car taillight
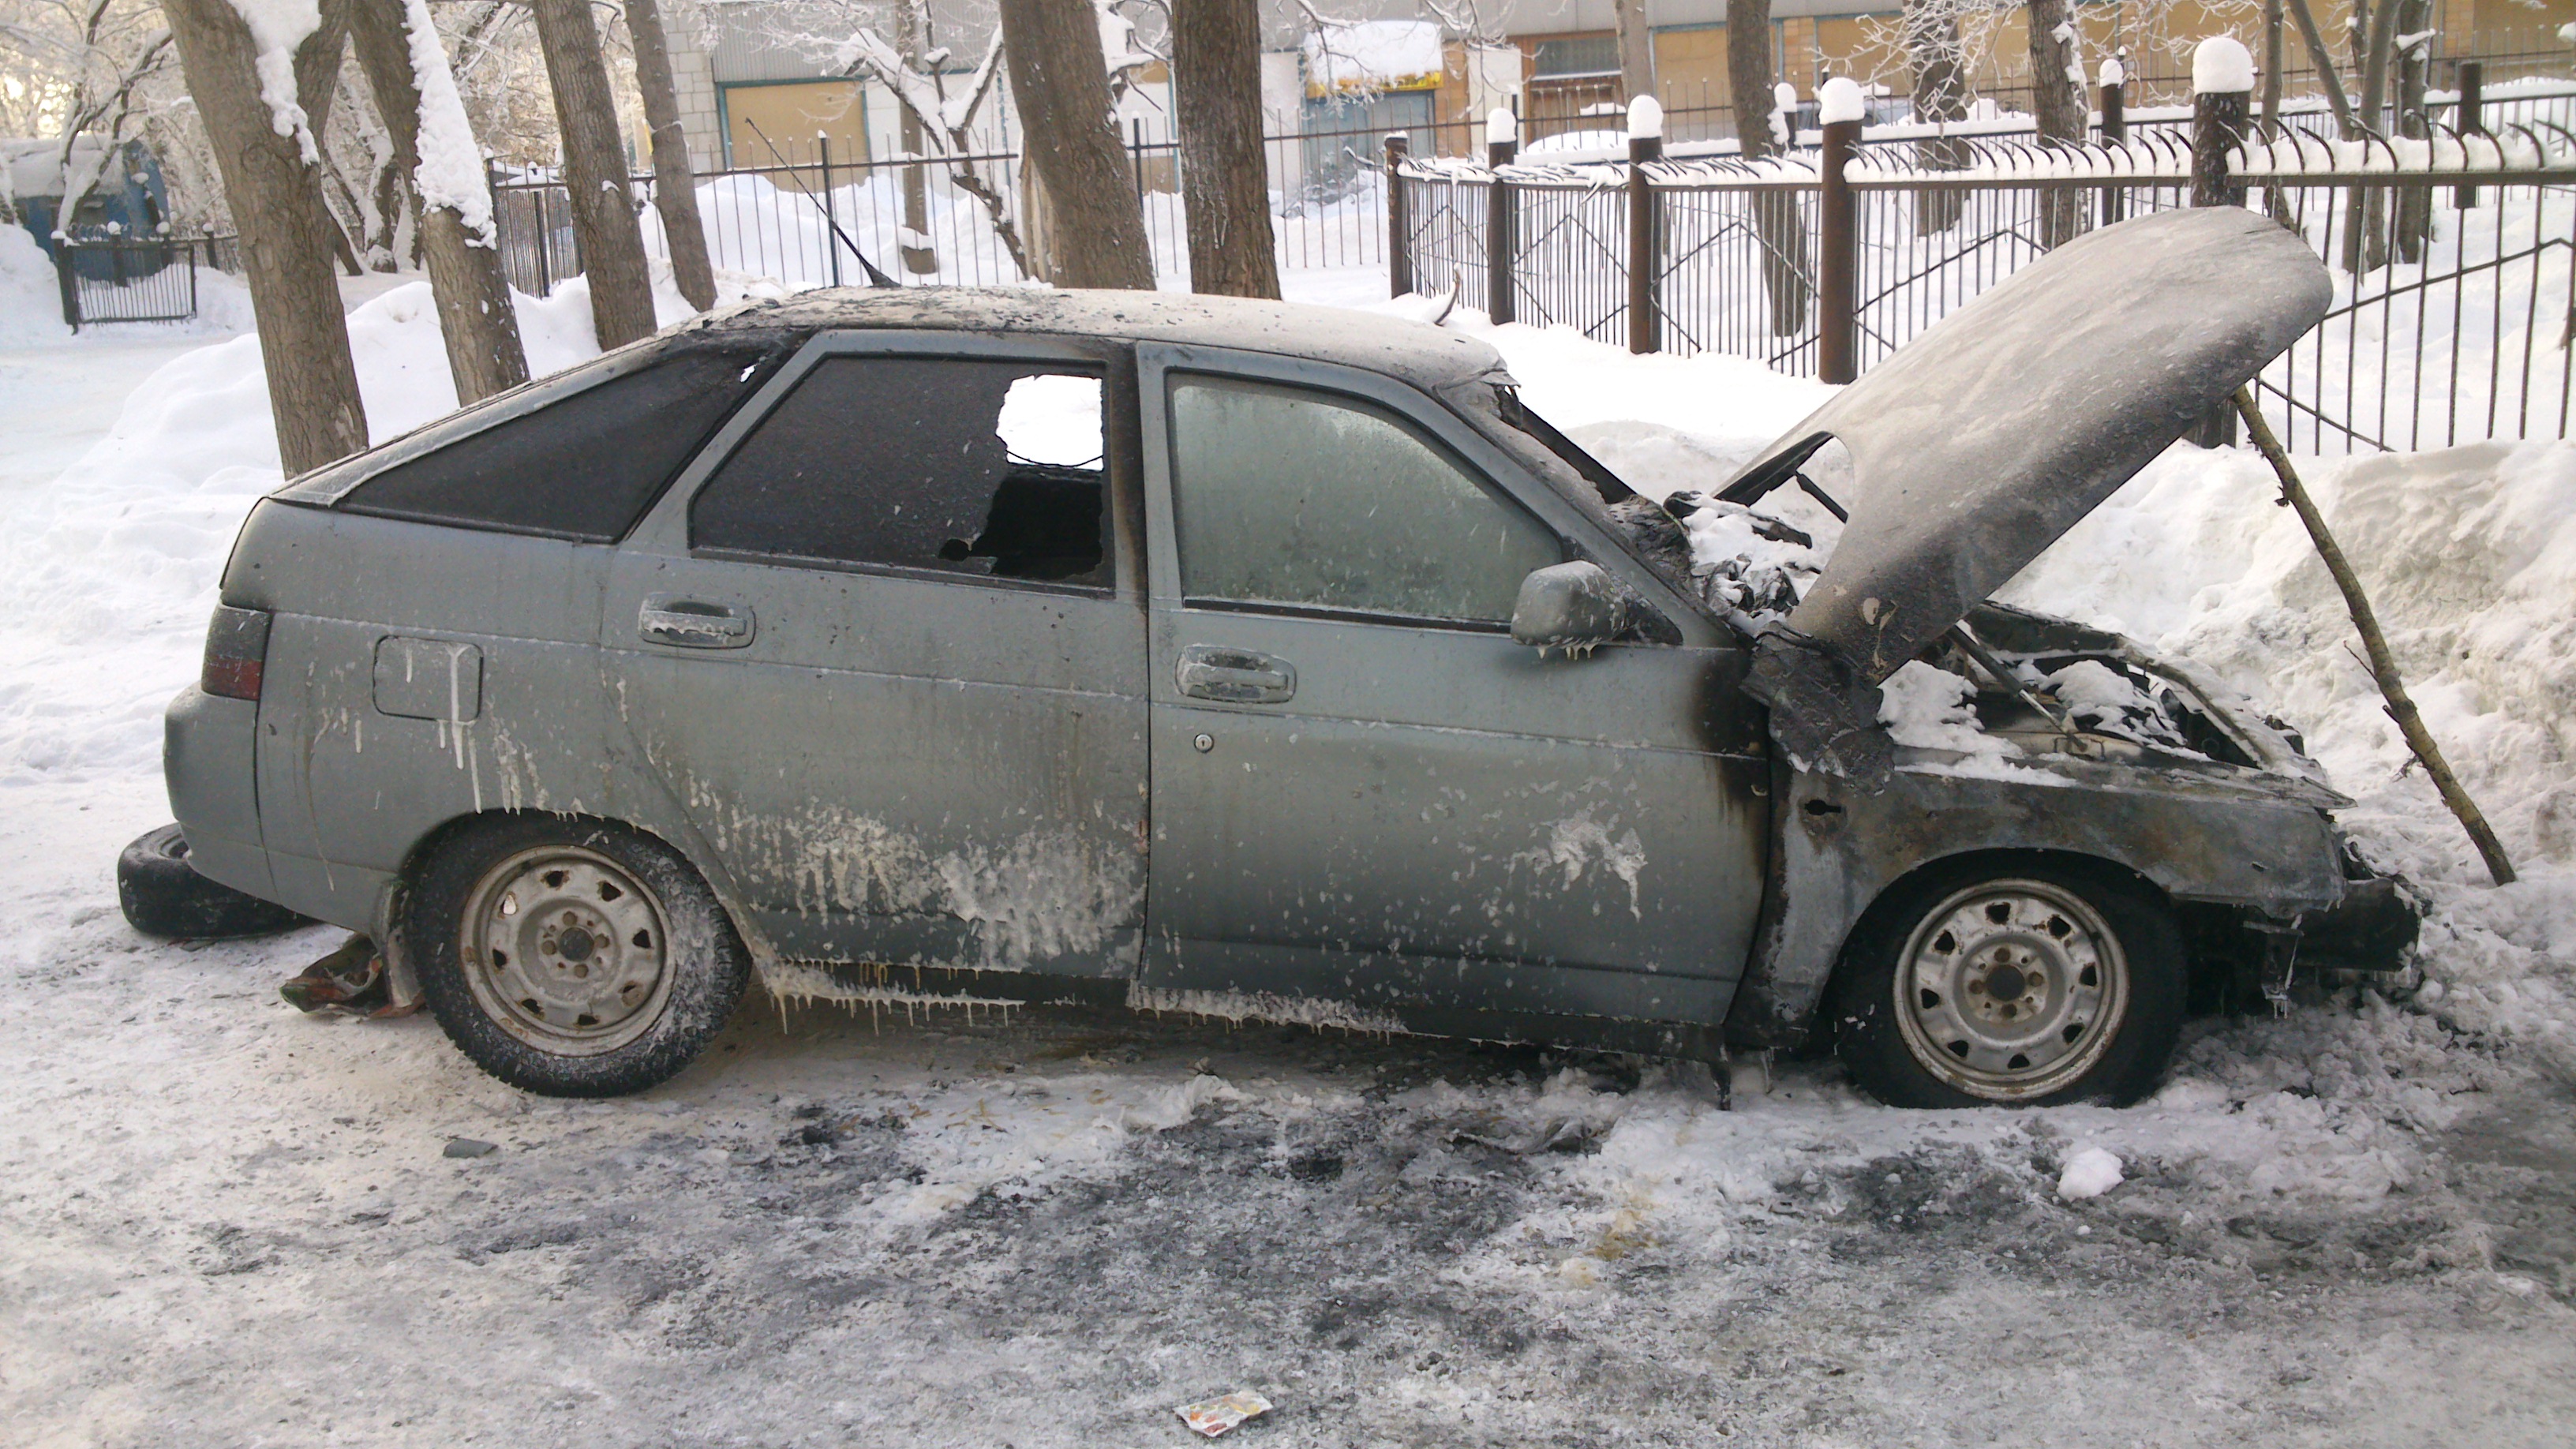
236	652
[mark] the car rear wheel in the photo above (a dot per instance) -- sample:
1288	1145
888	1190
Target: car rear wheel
2011	984
572	958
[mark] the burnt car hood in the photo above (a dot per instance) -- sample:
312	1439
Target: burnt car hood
1979	444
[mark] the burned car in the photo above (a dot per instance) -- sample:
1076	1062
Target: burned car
1258	661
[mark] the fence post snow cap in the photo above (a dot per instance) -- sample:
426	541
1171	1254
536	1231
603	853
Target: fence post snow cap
2114	73
1501	127
1784	96
1840	99
1645	117
2221	65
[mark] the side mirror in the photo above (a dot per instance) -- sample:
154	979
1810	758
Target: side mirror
1569	606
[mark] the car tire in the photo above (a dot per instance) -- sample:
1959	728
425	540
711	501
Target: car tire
163	895
572	958
2011	984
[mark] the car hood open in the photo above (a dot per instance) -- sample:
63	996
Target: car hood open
1987	438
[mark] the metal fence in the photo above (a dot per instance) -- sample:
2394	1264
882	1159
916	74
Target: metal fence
2454	255
108	279
807	218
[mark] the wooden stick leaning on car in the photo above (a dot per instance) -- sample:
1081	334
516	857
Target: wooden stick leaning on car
2383	664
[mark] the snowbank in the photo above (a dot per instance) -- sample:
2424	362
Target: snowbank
119	559
31	303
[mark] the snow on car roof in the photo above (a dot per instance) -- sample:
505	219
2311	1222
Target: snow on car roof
1427	356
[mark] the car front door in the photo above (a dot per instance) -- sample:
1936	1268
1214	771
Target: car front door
1364	791
881	652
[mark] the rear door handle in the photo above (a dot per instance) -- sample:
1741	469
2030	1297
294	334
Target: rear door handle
694	623
1235	676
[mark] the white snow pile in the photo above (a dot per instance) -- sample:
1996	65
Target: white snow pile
2090	1172
1928	709
31	305
1372	53
277	27
450	172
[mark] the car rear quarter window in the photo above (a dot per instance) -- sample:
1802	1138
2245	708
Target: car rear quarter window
583	467
980	467
1289	496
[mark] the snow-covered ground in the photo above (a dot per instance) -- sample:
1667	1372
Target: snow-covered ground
221	1222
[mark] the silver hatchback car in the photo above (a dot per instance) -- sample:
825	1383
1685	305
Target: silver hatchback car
1012	646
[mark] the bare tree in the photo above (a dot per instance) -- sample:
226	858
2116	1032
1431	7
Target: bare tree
1940	94
602	202
1225	187
269	166
406	67
945	119
1762	130
1749	78
675	186
1060	79
2058	106
919	257
1636	49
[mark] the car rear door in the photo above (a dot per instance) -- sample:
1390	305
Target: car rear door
1364	791
881	655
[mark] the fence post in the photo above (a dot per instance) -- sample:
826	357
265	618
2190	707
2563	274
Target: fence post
2472	117
831	219
1645	249
1399	228
544	225
1840	107
64	263
1136	157
2222	75
1502	215
2115	130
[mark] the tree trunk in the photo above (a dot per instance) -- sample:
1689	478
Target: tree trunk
1636	49
276	200
1225	186
2414	221
1060	80
675	186
919	257
603	204
475	316
317	85
1748	74
1940	94
1776	227
2057	104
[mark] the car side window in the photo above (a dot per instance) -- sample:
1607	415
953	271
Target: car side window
1286	495
975	466
584	467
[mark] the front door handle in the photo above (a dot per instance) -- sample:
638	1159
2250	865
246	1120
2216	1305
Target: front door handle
694	623
1235	676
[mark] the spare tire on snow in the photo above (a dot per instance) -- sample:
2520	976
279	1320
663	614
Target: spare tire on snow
164	896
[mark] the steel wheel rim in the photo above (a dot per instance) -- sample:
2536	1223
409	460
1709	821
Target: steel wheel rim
564	949
2010	990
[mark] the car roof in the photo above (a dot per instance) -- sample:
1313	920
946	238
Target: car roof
1425	355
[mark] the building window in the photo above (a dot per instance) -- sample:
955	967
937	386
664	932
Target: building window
1576	55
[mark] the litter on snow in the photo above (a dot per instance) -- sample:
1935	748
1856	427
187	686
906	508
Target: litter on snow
1218	1415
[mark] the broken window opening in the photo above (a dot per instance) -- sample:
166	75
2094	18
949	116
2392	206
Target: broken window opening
983	467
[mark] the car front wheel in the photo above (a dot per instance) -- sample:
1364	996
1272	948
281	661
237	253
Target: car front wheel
1985	984
572	958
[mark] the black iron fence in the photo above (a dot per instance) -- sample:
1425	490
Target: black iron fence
805	219
115	279
2454	254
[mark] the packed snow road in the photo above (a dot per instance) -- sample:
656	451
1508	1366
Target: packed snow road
225	1223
